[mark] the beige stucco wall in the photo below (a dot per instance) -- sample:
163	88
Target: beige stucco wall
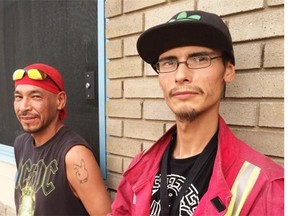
253	105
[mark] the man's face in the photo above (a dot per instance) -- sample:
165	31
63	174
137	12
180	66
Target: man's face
35	108
191	92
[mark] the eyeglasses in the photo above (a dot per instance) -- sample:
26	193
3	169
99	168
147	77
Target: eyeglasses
193	62
33	74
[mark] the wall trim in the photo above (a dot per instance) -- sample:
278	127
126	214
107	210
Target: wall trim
7	154
102	86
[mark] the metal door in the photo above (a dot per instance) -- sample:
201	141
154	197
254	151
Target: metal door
63	34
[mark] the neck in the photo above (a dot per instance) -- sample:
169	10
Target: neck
42	136
192	137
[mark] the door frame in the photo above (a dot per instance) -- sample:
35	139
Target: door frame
101	19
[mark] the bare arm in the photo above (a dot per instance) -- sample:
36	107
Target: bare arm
85	178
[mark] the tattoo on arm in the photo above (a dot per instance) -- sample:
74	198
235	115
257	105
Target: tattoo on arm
81	172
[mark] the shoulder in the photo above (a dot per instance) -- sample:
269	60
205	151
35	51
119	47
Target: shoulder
19	140
156	150
23	136
233	148
78	150
69	139
69	135
270	170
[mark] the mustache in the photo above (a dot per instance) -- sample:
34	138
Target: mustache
25	113
185	88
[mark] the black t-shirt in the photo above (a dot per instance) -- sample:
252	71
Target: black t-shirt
177	172
42	187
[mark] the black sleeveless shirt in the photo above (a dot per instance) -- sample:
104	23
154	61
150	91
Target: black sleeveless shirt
42	187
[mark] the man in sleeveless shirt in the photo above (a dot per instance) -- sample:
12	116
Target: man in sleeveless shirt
57	173
198	167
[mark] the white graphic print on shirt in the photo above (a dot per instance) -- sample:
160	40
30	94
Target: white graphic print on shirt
188	203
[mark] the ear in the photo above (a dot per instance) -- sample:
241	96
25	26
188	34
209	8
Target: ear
229	73
61	100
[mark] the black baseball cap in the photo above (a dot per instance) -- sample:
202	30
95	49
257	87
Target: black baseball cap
186	28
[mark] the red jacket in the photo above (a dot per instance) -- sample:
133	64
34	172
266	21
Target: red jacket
266	198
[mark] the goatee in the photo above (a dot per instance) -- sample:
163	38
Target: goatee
187	116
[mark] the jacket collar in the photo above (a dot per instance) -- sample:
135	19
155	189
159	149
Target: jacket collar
225	157
147	163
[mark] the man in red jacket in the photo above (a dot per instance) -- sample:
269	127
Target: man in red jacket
198	167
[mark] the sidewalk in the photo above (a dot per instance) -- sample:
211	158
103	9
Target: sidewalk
7	179
6	210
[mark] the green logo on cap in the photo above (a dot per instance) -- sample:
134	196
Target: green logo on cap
183	16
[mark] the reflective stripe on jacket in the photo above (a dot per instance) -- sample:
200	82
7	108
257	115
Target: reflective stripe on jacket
264	196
